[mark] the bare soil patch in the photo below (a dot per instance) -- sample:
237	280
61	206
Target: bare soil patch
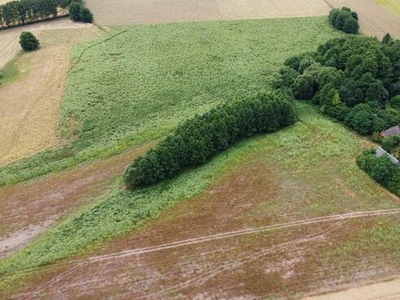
128	12
374	20
28	209
30	105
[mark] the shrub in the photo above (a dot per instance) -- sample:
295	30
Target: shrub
78	12
198	139
344	19
28	41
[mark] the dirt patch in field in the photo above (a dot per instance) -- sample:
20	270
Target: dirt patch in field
374	19
127	12
388	290
215	246
28	209
30	105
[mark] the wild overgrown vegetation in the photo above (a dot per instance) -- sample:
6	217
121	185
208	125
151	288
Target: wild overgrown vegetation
139	83
355	80
198	139
20	12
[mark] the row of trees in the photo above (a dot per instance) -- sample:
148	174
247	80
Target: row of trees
381	169
354	79
344	19
198	139
20	12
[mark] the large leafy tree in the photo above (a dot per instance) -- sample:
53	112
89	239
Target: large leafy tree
28	41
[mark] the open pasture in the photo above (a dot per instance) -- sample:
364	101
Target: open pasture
129	12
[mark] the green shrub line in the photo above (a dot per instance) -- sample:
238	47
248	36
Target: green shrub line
344	19
198	139
22	12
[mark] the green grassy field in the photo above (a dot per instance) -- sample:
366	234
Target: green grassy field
138	83
392	5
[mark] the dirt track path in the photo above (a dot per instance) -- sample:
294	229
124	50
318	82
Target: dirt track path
29	209
374	20
69	281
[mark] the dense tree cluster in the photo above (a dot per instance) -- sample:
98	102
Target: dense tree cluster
354	79
344	19
28	41
381	169
198	139
20	12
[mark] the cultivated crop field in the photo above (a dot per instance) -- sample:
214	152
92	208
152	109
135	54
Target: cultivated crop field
278	215
128	12
391	5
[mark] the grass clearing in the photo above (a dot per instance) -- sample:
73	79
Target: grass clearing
392	5
312	162
138	83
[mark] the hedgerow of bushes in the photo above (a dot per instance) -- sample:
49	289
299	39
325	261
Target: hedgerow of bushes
381	169
344	19
354	79
20	12
198	139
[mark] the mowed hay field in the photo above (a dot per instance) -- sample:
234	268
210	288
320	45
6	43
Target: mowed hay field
128	12
33	85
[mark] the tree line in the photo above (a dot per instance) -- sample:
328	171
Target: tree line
354	79
20	12
198	139
344	19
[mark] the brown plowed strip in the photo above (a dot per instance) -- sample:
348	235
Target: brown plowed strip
29	111
129	12
374	19
29	209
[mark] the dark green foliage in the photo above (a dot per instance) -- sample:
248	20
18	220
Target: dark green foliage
28	41
387	39
303	87
198	139
78	12
344	19
21	12
74	11
85	15
381	169
390	143
351	79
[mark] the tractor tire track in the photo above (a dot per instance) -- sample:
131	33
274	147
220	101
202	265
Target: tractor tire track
203	239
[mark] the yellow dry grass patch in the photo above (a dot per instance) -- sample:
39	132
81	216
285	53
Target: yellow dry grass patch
30	105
